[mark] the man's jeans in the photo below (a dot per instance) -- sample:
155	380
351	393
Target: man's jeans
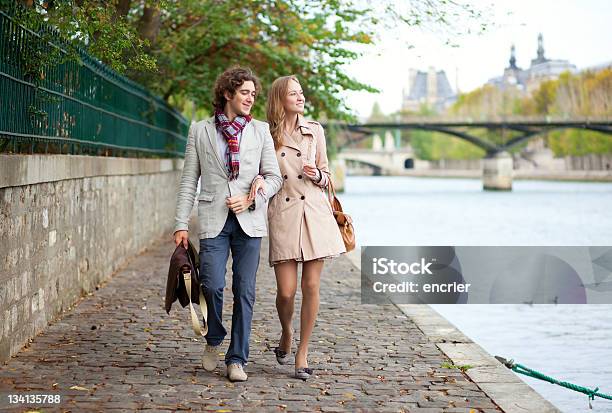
214	253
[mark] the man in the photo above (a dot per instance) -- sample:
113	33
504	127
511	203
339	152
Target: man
229	151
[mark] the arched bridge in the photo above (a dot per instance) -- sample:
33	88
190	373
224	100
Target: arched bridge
497	165
521	130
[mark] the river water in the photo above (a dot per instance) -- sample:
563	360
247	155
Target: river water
568	342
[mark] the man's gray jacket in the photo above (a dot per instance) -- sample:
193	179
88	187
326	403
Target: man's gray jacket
257	156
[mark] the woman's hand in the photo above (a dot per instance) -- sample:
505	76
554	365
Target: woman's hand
258	184
312	173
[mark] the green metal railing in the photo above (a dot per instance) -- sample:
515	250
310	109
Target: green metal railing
77	106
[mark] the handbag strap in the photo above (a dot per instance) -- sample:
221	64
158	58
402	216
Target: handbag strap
331	192
333	199
195	323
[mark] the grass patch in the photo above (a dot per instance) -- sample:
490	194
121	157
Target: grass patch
462	367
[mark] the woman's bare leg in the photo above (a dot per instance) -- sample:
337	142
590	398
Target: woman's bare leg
286	286
311	281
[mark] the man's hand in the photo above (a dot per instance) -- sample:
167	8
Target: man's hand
182	237
238	203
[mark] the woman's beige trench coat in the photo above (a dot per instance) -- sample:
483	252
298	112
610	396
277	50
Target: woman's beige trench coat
300	219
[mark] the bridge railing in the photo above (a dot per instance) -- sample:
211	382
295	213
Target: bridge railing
77	106
476	122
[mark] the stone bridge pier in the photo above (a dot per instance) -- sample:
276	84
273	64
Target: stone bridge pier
497	172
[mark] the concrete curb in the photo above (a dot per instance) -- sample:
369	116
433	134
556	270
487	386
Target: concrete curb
504	387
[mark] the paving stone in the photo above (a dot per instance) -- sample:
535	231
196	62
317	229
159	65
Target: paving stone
366	357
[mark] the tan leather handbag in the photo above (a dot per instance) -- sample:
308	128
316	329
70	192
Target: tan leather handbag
345	222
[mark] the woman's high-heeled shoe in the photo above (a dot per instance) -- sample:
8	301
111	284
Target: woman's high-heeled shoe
303	373
282	357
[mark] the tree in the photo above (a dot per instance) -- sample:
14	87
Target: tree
178	47
433	146
545	96
377	115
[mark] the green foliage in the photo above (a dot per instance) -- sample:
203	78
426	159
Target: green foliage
199	39
64	100
331	138
377	115
545	97
488	102
433	146
450	365
90	25
578	142
177	48
590	95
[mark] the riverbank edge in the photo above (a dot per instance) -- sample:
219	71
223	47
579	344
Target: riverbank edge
568	176
499	383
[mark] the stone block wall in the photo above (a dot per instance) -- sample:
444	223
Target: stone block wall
66	224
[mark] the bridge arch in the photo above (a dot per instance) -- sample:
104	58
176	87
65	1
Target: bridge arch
377	169
382	161
527	129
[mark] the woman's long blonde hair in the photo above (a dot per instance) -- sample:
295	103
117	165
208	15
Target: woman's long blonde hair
275	111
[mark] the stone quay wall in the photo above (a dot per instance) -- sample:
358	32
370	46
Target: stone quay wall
67	222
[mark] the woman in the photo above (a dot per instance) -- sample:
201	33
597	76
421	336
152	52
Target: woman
302	228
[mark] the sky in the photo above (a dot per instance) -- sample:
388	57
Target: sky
576	30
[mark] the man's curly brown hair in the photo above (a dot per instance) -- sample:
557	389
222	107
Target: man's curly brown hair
229	81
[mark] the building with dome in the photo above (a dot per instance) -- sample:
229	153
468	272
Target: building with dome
540	69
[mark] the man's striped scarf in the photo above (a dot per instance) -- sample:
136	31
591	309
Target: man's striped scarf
231	131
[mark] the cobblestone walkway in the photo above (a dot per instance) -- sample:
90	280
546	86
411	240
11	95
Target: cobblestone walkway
118	350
